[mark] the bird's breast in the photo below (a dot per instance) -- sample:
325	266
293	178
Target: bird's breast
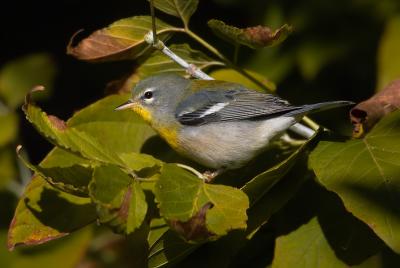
229	144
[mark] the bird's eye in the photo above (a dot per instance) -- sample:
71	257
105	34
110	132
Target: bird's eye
148	94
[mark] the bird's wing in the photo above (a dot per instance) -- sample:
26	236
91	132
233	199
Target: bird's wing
207	106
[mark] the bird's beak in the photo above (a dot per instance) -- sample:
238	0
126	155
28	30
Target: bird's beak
125	105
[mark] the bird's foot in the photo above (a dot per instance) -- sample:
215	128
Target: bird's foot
209	176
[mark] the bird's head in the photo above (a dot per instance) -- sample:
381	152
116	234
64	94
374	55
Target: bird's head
156	98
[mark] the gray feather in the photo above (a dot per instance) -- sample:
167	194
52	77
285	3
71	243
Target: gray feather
239	104
318	107
207	106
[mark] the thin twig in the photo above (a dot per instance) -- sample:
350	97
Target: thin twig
153	21
192	69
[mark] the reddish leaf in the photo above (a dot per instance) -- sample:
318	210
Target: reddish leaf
262	36
367	113
123	39
253	37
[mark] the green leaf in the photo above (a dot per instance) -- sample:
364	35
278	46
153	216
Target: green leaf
9	128
158	62
22	74
307	247
65	253
73	178
8	171
365	173
183	9
321	234
197	209
388	56
62	158
119	199
119	131
44	213
145	165
253	37
122	40
71	138
236	77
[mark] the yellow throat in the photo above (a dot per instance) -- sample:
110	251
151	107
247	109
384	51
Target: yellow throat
167	133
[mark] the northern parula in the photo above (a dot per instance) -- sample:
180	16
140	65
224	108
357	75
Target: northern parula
221	125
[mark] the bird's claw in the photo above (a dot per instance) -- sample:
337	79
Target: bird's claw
209	176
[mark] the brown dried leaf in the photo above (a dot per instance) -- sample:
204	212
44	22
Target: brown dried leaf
253	37
123	39
262	36
367	113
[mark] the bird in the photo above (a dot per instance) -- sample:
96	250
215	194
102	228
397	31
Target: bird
218	124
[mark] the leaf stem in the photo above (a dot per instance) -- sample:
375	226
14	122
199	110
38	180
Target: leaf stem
192	170
206	45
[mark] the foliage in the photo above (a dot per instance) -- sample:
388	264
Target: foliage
330	202
370	193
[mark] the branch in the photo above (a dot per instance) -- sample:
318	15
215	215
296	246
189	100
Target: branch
191	69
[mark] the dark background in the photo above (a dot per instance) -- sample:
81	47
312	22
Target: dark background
354	26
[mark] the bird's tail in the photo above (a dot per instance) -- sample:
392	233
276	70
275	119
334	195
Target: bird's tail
318	107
